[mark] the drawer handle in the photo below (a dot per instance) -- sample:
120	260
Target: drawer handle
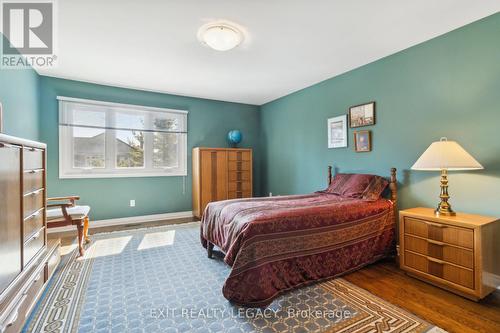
35	280
33	149
36	192
435	242
437	225
35	214
14	314
7	145
435	260
35	236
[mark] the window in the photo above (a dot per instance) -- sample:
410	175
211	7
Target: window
101	139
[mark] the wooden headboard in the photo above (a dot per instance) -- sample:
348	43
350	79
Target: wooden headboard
393	185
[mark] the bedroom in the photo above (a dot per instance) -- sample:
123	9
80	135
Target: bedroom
124	139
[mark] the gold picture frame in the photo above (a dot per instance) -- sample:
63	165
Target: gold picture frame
362	141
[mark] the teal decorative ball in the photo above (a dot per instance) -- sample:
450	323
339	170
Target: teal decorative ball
234	137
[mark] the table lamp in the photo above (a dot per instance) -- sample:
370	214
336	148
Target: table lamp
444	155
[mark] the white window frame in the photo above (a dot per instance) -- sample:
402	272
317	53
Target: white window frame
68	171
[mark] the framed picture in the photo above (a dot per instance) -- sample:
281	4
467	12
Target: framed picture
362	141
362	115
337	132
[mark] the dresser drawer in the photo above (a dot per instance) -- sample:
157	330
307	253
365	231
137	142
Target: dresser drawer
238	194
439	232
239	156
239	165
440	250
239	186
32	158
33	224
52	263
32	180
32	202
33	245
440	269
238	175
25	303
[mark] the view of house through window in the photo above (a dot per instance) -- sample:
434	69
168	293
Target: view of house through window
99	139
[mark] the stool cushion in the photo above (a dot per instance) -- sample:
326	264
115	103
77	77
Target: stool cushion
76	213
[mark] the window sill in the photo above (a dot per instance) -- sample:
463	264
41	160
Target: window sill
121	175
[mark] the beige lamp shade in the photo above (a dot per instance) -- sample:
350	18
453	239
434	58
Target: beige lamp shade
446	155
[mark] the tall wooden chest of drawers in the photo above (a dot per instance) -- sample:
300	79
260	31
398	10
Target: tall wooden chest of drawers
27	259
220	174
459	253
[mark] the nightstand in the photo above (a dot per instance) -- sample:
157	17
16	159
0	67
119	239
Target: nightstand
458	253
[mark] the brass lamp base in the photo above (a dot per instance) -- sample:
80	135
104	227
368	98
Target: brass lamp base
444	208
444	212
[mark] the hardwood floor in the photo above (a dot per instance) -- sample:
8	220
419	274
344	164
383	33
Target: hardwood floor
442	308
384	279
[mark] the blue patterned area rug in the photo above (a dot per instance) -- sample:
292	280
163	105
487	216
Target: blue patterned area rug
160	280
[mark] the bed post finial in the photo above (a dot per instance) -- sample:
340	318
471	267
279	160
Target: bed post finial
393	185
329	175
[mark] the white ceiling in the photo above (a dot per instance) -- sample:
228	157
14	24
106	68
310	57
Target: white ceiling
291	44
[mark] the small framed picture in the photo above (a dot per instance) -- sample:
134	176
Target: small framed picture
362	141
362	115
337	132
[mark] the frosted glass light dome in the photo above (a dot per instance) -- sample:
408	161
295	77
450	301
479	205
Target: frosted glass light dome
220	36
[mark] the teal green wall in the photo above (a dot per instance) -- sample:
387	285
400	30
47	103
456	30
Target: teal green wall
19	96
208	123
448	86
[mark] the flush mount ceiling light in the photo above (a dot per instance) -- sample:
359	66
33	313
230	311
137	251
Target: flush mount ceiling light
221	36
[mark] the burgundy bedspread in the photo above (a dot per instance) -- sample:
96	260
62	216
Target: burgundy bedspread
278	243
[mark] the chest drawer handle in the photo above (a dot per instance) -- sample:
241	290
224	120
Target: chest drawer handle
36	236
36	192
435	260
35	214
435	242
14	314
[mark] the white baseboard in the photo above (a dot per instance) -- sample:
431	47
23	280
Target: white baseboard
126	220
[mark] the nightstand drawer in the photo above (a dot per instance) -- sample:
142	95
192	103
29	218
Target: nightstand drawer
439	232
441	269
440	250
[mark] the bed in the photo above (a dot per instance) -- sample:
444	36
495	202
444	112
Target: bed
275	244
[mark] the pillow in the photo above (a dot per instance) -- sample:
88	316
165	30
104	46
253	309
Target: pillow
375	188
338	184
362	186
